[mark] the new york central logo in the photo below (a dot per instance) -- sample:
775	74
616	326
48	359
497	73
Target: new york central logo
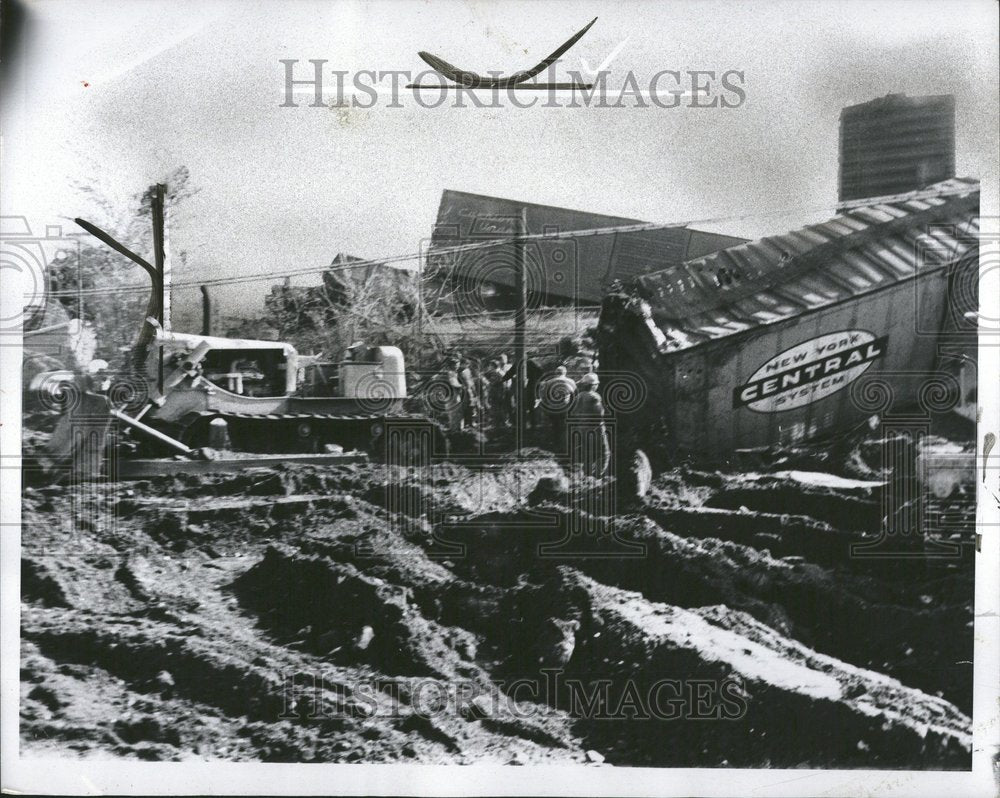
464	78
810	371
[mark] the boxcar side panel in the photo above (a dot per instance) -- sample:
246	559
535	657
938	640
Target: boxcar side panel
792	380
690	409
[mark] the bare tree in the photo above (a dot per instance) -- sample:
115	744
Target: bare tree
104	289
373	303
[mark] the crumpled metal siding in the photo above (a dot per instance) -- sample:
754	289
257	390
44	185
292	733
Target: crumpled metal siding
863	249
577	269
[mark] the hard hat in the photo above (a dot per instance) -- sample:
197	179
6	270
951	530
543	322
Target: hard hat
561	371
589	379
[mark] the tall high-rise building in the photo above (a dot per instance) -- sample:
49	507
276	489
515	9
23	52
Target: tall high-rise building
896	144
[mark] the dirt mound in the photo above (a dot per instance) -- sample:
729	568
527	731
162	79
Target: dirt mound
850	510
451	490
335	611
774	698
853	617
459	614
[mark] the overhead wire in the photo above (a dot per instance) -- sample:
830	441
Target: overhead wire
639	227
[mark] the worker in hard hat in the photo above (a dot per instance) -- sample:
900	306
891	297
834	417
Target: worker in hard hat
590	448
455	411
470	394
496	394
524	390
444	395
556	398
506	379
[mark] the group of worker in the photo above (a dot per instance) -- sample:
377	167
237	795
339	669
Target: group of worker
489	398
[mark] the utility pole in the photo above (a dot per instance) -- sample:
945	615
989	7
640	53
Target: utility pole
520	322
158	307
162	285
206	311
157	203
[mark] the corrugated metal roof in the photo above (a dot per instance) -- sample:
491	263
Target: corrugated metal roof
860	250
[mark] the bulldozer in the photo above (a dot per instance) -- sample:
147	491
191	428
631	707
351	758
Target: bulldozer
262	396
201	396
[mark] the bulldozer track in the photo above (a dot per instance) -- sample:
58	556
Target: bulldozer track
145	468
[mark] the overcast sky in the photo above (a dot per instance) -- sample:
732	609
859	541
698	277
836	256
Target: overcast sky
117	94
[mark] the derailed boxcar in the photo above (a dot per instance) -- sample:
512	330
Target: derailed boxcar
795	336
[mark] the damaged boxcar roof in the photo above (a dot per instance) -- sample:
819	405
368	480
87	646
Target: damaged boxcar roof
868	246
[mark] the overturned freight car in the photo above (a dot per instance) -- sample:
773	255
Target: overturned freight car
805	334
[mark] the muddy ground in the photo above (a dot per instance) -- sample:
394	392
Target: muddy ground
458	615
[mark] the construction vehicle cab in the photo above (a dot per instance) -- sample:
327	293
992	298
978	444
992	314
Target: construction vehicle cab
248	367
240	366
270	397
